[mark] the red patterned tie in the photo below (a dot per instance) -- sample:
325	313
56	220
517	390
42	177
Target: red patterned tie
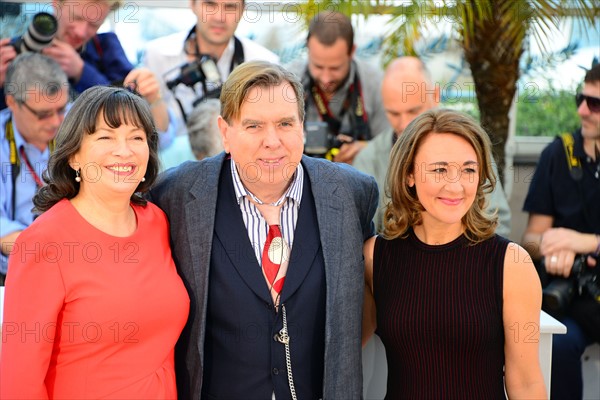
274	261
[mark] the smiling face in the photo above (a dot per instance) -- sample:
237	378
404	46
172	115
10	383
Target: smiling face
446	177
112	161
266	141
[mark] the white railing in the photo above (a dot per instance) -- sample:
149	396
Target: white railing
548	327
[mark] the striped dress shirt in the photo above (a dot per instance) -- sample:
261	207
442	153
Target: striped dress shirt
256	225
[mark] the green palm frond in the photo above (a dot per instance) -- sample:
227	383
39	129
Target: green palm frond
515	19
493	34
347	7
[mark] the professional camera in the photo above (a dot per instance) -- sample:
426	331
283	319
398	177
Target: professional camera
319	141
203	70
39	34
557	296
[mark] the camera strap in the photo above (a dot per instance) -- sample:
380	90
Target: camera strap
576	172
190	47
98	46
238	54
573	162
354	100
99	51
15	162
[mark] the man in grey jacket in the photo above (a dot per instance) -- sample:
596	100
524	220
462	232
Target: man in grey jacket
268	243
408	91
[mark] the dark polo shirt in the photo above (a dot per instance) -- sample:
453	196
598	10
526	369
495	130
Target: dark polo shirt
554	192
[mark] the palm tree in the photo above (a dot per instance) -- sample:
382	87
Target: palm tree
493	35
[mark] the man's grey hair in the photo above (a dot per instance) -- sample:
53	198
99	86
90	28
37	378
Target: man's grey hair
203	131
34	74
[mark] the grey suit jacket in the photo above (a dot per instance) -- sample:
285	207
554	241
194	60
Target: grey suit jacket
345	201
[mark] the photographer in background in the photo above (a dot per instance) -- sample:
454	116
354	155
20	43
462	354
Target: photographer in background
86	57
37	102
342	92
90	58
564	222
186	60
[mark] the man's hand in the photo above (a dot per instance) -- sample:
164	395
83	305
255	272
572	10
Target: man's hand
67	57
7	54
556	239
8	241
348	151
146	84
560	263
561	245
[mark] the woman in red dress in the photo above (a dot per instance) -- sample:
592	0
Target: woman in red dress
93	303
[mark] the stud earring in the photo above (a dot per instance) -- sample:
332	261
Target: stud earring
77	177
143	179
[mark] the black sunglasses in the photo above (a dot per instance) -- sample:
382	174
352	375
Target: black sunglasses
593	103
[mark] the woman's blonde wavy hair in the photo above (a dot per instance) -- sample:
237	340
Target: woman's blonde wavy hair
404	210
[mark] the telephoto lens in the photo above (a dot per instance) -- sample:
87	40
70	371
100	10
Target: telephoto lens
39	34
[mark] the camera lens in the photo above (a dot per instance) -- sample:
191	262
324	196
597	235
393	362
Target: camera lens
44	25
39	34
557	296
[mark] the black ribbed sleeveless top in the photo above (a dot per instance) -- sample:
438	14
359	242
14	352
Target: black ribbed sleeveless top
439	315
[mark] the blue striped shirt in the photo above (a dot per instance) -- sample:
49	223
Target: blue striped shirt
256	225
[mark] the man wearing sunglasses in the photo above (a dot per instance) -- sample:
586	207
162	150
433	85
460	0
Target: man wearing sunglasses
37	93
563	203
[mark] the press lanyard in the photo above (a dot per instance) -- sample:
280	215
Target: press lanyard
360	118
15	162
36	178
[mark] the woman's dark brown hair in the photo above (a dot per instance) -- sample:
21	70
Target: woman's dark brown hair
116	106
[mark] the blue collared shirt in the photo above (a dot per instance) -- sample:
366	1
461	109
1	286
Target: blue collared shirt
255	223
25	184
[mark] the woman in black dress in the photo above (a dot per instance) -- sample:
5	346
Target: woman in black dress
456	306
